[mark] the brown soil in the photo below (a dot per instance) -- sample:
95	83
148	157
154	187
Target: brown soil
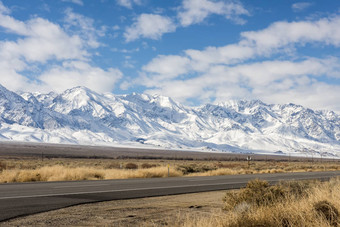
156	211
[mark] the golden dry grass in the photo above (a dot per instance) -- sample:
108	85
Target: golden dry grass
291	211
16	170
62	173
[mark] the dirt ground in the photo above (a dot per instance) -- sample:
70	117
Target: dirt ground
155	211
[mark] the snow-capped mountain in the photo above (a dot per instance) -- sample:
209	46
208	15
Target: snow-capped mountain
82	116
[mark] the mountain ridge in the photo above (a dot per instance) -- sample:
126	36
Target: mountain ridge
82	116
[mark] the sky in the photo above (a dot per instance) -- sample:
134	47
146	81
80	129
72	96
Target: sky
194	51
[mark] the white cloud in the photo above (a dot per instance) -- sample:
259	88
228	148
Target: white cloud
300	6
278	37
229	54
316	95
151	26
78	2
168	67
128	3
10	78
41	41
64	51
78	73
84	27
232	71
270	81
283	34
196	11
4	9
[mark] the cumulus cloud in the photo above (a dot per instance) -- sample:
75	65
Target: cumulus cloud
3	9
282	34
168	67
78	73
128	3
190	12
84	27
63	51
270	81
278	37
232	72
300	6
151	26
195	11
41	40
78	2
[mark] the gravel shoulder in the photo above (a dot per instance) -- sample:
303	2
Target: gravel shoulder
155	211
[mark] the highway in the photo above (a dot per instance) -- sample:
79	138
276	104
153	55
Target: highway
20	199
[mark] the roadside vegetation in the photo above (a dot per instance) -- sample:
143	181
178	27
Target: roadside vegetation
304	203
26	170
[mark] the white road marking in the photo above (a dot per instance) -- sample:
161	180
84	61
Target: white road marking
79	186
205	179
120	190
136	189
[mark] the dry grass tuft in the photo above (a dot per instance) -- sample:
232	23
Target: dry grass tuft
62	173
118	168
314	204
51	173
328	211
223	171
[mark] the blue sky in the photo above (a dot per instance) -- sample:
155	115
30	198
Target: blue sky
195	51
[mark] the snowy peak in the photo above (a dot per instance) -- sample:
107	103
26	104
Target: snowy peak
80	115
15	109
79	101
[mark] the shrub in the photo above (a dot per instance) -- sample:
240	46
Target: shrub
259	193
148	166
3	166
297	188
112	166
328	211
131	165
193	168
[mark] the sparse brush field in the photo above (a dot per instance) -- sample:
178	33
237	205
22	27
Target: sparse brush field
286	204
305	203
57	169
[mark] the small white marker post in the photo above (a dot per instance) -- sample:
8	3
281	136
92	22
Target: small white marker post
248	159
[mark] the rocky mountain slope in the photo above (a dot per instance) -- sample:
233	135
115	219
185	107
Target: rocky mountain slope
82	116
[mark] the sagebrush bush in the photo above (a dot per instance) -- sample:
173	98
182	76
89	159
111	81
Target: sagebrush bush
328	211
257	192
131	165
194	168
148	166
297	189
3	166
260	193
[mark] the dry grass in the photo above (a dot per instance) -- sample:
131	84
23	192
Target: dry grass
259	204
62	173
310	203
23	170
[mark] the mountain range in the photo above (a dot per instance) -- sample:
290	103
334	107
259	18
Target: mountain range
82	116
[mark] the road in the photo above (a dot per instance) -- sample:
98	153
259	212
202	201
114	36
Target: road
20	199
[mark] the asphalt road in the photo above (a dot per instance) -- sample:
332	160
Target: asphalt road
20	199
